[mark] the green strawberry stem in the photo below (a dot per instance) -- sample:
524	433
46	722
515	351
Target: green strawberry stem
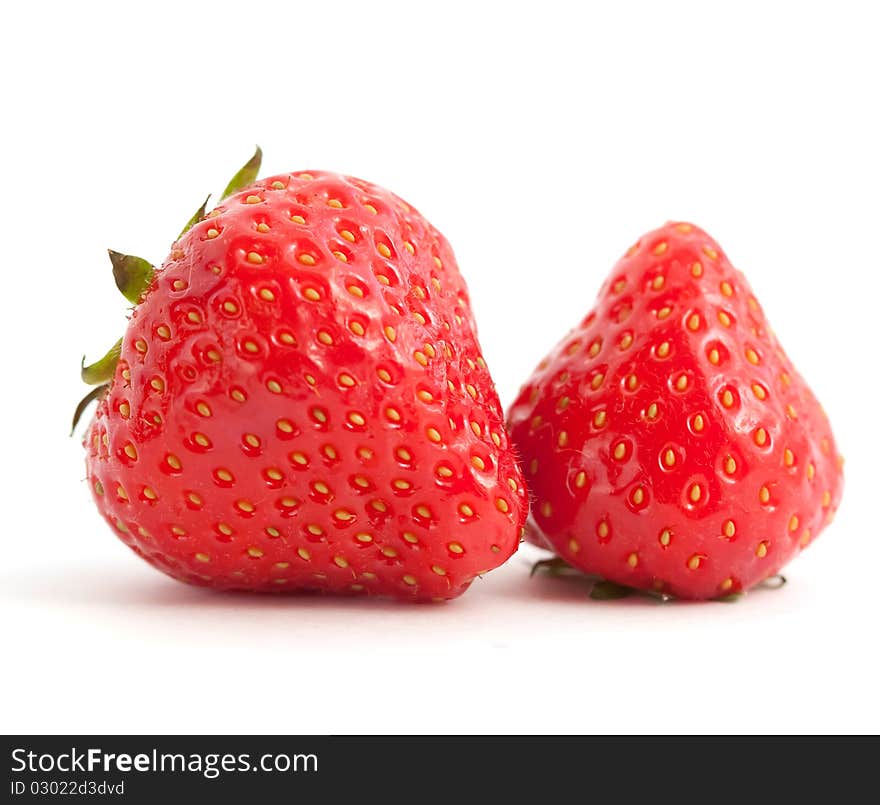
609	591
197	216
95	394
246	175
133	275
103	369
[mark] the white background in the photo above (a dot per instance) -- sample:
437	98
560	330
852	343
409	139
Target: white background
542	139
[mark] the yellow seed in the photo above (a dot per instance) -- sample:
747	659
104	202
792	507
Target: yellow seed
811	471
697	269
304	554
546	509
730	465
659	249
663	350
826	499
255	553
423	511
695	493
371	209
724	318
597	381
390	333
225	529
149	493
478	462
694	562
638	496
669	458
173	462
764	495
681	383
364	537
164	332
699	423
652	411
632	560
619	286
664	312
311	294
409	579
599	419
297	219
580	480
761	550
438	570
433	435
727	399
619	450
793	523
632	382
340	561
130	451
383	250
626	341
714	356
710	252
306	259
335	203
726	288
256	259
211	234
790	410
752	356
665	537
562	439
573	545
203	557
693	322
466	510
729	529
325	338
502	505
274	386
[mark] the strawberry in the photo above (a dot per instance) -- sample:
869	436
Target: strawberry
667	440
300	403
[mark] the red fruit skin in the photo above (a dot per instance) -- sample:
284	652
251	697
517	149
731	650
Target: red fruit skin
660	499
301	404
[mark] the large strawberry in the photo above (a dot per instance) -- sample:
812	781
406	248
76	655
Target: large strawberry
668	442
300	402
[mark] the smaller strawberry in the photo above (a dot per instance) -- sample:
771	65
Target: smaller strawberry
668	442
